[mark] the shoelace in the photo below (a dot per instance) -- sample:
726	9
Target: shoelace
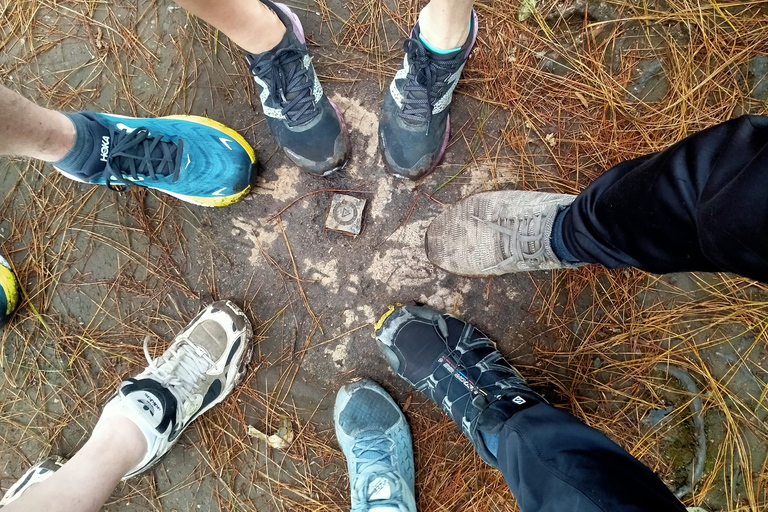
288	83
138	154
508	383
371	456
519	237
425	81
181	370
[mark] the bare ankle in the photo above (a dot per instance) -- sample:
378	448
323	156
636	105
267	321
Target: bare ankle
262	36
444	31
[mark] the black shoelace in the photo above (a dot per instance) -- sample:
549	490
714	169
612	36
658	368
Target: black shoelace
137	154
425	82
288	83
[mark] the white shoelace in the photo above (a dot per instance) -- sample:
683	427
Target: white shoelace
365	504
371	456
182	369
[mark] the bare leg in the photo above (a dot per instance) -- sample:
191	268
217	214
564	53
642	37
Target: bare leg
445	23
249	23
85	482
30	130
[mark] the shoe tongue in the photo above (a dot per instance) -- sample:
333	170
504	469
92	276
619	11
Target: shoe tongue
150	401
380	488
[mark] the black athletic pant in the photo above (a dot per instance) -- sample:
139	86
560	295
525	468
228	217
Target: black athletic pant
552	462
702	204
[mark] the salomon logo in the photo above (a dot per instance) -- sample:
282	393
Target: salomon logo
519	400
104	148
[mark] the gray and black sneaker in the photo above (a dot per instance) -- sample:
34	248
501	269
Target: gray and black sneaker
34	475
494	233
305	123
415	124
197	371
457	367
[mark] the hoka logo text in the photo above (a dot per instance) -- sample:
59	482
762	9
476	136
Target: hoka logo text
104	148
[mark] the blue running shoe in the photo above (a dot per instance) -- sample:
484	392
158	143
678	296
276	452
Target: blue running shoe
415	123
305	123
193	158
376	441
458	368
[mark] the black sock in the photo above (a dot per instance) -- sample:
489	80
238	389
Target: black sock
84	160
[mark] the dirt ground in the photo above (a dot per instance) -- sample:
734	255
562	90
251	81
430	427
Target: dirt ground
101	270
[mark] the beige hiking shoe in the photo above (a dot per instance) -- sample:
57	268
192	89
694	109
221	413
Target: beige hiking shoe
494	233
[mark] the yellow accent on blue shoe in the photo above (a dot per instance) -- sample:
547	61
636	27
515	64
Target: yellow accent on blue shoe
10	288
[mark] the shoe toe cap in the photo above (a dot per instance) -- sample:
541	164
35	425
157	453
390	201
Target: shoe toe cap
411	150
457	242
364	406
322	146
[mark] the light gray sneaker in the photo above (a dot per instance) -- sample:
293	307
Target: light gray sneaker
495	233
376	441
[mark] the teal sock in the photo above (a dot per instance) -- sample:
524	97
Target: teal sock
438	50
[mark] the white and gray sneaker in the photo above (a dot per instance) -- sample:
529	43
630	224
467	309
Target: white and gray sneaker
495	233
197	371
34	475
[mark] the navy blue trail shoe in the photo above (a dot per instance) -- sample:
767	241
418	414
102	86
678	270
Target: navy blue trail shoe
415	123
195	159
305	123
457	367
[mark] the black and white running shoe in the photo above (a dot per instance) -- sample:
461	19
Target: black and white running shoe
305	123
34	475
415	122
197	371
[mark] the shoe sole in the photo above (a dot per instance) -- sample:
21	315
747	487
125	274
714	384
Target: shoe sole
197	200
346	139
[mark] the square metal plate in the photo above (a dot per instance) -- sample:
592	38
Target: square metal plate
345	214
